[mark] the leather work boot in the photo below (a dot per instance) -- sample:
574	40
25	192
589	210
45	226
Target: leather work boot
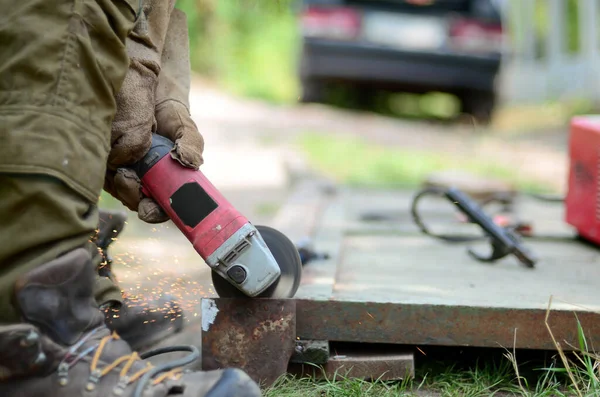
142	323
64	349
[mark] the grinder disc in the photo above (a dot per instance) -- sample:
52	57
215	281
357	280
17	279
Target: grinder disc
287	257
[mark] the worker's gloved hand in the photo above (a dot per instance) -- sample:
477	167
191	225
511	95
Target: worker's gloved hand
154	98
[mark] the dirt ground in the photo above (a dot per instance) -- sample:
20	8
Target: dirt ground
538	153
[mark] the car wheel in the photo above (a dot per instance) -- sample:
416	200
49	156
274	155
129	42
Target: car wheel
480	105
312	92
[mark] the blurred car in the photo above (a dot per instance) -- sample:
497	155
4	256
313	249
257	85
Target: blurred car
418	46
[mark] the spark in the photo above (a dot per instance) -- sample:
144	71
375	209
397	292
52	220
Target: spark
421	351
370	315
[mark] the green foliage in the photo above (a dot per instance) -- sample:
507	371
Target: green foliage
193	19
248	46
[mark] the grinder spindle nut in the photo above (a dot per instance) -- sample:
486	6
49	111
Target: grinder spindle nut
237	273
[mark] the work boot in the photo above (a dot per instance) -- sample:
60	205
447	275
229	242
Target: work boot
64	349
141	323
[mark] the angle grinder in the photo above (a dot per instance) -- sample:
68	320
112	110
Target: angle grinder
246	260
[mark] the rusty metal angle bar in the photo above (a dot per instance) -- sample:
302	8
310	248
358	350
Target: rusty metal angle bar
412	324
256	335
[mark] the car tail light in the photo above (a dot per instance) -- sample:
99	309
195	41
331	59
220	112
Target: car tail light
475	36
332	23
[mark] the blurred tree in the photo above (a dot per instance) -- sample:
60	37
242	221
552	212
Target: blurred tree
200	15
249	46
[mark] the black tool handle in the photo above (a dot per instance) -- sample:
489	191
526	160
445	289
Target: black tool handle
159	148
504	241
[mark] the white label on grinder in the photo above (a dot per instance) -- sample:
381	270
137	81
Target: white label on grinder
209	313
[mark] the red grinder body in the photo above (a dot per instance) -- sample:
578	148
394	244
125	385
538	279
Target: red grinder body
223	237
219	219
582	203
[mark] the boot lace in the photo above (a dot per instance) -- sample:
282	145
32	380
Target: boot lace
147	375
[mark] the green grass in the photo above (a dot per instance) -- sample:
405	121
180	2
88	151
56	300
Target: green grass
477	374
475	382
481	380
489	380
582	367
354	162
306	387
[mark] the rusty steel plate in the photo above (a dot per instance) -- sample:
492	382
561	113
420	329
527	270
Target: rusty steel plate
388	283
255	335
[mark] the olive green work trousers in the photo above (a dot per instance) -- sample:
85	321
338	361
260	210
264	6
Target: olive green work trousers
62	63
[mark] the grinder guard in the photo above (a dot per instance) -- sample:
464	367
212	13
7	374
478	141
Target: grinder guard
288	258
223	237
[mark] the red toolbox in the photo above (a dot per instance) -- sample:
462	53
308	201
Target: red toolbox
582	203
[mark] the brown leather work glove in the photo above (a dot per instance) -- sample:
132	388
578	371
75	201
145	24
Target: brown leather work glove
154	98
